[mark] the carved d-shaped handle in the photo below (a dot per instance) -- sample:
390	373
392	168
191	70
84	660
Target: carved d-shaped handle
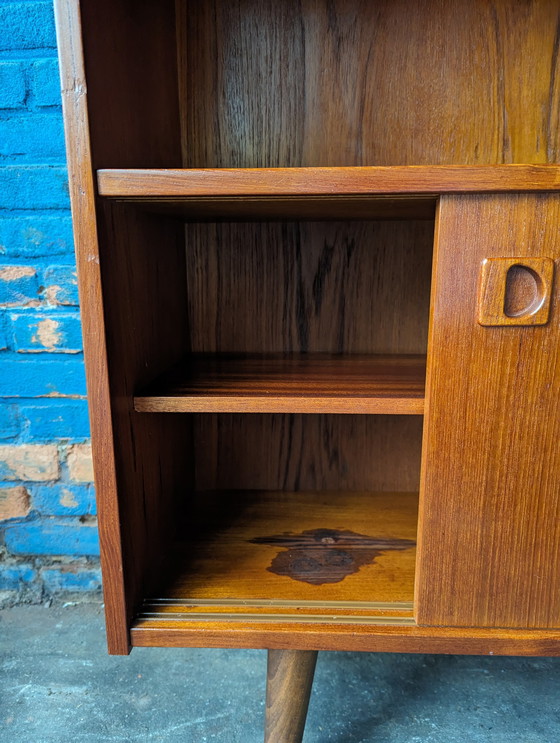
515	291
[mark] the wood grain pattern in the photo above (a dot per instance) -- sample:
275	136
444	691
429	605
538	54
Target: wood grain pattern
352	82
131	67
351	637
307	452
312	383
226	551
80	176
144	338
313	91
491	459
131	77
515	291
289	680
247	182
309	287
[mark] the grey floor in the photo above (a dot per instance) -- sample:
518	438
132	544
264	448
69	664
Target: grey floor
58	685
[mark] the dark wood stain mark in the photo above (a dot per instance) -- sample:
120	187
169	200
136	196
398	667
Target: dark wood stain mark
319	556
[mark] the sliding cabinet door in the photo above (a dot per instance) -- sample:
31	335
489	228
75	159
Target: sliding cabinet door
489	531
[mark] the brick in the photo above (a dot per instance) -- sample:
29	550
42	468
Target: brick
44	83
27	25
60	286
64	499
41	376
36	137
80	466
32	462
36	332
50	420
52	537
14	577
18	286
5	336
71	579
14	503
10	421
37	236
12	85
33	187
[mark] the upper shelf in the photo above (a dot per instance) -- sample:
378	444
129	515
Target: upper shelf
391	385
409	179
336	193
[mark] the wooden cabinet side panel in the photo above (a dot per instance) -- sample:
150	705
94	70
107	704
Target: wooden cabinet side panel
489	529
131	270
82	195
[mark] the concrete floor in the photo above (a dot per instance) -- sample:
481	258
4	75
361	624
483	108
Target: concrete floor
58	685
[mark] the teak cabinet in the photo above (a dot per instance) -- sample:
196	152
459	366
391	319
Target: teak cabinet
318	245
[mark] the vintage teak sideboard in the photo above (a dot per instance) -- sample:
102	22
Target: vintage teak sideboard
318	247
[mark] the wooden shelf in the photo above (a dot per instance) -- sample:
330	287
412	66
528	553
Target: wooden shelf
237	194
304	182
289	384
310	557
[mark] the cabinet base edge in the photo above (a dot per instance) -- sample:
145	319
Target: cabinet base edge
346	637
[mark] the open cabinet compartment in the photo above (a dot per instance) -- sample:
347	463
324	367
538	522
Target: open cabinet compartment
266	84
303	503
199	286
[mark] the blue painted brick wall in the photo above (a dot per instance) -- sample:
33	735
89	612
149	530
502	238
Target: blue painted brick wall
52	537
48	535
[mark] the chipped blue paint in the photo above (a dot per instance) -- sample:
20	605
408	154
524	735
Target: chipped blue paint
60	285
38	236
13	576
10	421
46	332
52	420
62	536
42	381
18	286
63	499
72	578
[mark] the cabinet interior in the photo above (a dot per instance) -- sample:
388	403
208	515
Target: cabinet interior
296	306
207	301
267	83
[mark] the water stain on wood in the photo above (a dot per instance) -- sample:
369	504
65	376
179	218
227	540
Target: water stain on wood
319	556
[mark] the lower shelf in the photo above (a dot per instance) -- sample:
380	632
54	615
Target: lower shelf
277	557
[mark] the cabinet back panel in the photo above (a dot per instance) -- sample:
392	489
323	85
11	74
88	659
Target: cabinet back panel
357	82
307	452
332	287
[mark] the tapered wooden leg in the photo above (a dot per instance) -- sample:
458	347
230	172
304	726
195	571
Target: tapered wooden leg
288	688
